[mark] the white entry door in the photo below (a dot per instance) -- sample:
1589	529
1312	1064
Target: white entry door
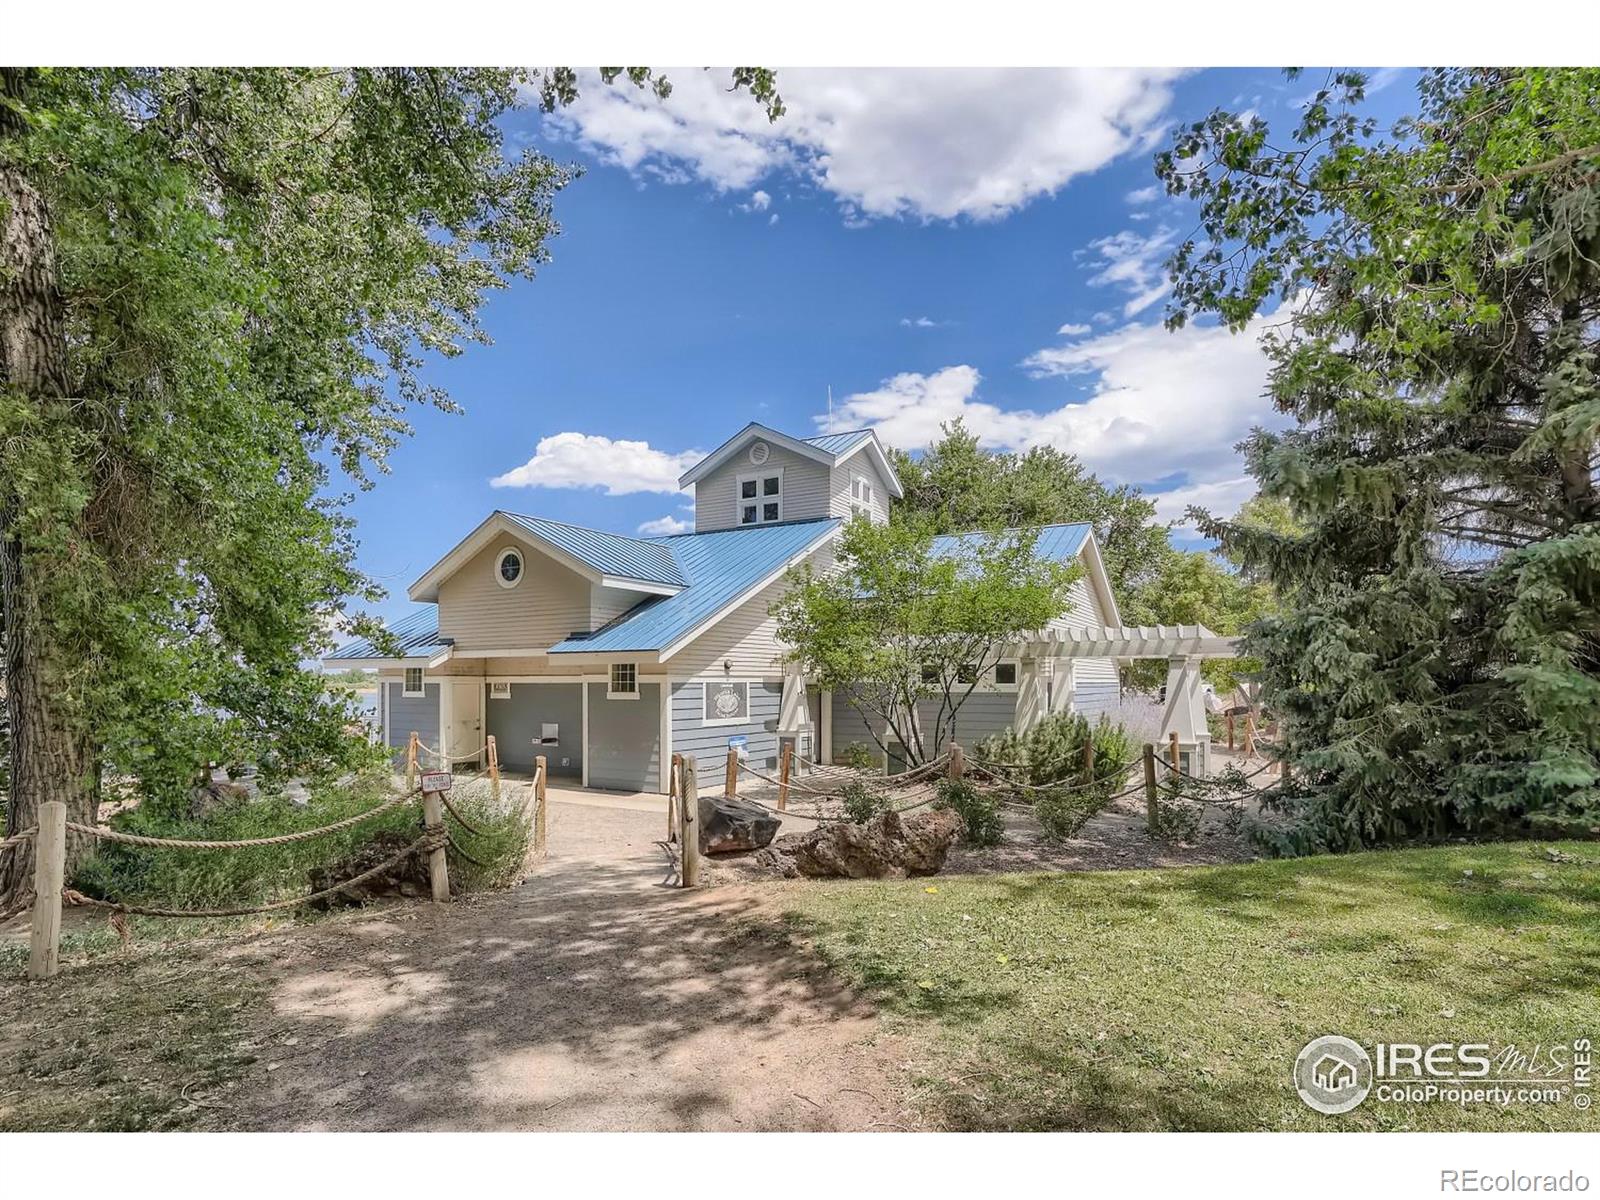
466	718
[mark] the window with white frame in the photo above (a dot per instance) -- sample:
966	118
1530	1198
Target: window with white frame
860	496
1005	676
412	686
508	567
624	682
760	498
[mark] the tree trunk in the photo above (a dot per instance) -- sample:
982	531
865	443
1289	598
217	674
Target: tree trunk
52	758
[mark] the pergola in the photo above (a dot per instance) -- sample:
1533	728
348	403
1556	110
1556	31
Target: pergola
1183	646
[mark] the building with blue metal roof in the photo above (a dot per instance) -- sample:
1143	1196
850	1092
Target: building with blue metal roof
605	654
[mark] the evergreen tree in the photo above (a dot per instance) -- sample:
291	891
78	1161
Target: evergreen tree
1438	665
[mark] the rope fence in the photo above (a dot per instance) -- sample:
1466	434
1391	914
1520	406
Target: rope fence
50	892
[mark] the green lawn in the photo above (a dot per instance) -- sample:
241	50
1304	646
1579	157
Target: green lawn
1178	999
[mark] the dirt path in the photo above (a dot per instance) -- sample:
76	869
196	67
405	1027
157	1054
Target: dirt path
589	998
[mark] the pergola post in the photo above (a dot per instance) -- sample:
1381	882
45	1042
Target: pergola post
1185	715
1032	700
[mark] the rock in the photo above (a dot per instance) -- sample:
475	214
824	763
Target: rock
887	847
215	794
728	823
408	877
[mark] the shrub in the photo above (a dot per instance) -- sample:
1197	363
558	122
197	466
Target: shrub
862	803
222	878
859	755
979	811
500	844
1052	752
1177	820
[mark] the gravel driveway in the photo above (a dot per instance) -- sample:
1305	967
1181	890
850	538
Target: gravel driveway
590	997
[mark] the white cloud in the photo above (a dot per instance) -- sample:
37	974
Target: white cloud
760	201
1143	195
1161	405
665	526
921	323
1071	330
1135	263
926	144
583	460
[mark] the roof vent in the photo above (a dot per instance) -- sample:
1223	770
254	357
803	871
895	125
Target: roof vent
759	452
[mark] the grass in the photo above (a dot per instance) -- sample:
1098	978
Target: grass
1178	999
149	1036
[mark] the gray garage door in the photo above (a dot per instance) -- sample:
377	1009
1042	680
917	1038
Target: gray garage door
625	740
539	718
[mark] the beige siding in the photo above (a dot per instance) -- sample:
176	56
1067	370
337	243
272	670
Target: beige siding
748	636
840	485
805	489
550	603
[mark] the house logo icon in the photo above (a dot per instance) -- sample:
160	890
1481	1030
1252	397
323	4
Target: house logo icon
1332	1074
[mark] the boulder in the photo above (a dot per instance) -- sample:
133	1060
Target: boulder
408	877
728	823
888	846
214	794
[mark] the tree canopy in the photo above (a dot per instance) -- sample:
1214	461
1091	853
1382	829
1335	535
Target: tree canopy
1438	298
220	288
909	629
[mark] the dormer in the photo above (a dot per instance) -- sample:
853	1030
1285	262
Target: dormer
762	477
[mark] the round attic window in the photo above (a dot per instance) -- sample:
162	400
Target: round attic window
759	452
508	568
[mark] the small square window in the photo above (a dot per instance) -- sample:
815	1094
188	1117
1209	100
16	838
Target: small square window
413	682
770	485
1005	674
747	489
930	674
748	517
769	512
624	681
967	675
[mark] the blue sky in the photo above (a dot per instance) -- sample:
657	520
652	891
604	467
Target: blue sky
927	243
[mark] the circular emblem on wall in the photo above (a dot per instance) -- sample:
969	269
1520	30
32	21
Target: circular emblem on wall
1332	1074
759	452
726	702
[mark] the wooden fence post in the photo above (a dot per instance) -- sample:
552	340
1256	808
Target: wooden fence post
1230	731
494	767
1151	822
958	761
438	862
1174	744
1088	760
689	826
411	761
1249	734
783	777
541	773
730	785
673	789
49	870
1284	773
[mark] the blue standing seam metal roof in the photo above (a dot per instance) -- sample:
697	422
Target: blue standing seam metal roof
1056	543
720	566
609	553
417	634
838	443
717	568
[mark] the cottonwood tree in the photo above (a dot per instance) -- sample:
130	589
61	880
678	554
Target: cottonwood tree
907	629
1438	662
214	284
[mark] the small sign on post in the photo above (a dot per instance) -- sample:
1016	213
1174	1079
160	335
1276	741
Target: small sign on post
433	784
436	781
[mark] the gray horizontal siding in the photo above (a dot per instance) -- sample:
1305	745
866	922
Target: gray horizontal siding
625	739
709	744
981	715
517	721
1096	688
408	713
850	725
